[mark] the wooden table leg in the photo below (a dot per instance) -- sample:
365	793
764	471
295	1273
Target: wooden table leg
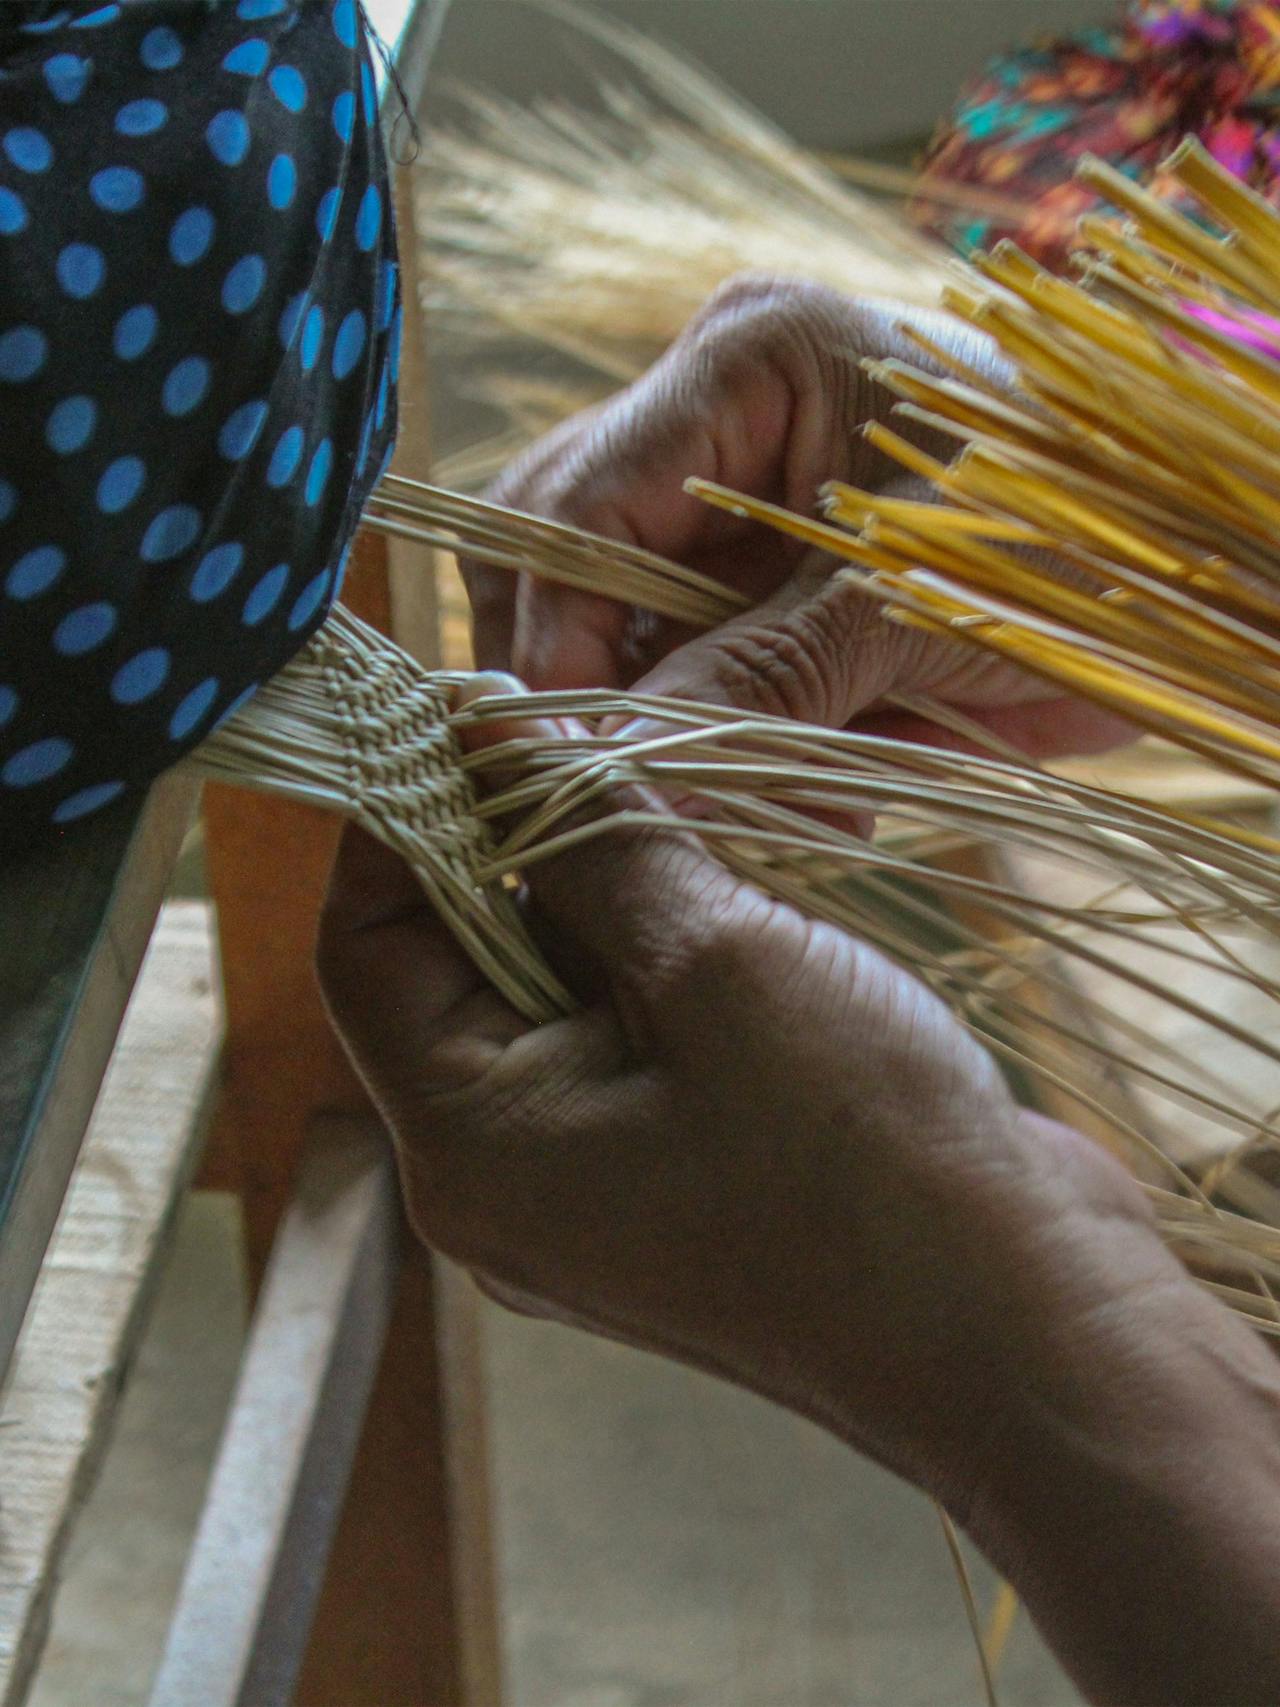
389	1631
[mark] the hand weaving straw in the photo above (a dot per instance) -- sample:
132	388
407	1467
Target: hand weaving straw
1149	469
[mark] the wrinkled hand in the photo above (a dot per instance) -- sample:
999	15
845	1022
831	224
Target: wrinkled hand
759	1147
763	393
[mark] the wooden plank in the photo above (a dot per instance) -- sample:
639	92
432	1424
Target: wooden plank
75	917
91	1300
414	584
465	1427
250	1587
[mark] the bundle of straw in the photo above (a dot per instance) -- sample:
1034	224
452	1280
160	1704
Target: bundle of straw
599	235
1141	448
357	726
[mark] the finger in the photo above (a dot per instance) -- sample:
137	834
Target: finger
564	638
631	894
1051	728
818	651
493	592
492	595
757	393
413	1011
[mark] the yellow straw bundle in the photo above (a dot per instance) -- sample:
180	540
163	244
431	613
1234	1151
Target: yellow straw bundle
1138	447
1142	446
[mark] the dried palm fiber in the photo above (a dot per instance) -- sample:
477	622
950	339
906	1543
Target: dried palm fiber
599	235
355	725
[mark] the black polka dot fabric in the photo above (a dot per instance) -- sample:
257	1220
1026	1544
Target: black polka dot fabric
199	327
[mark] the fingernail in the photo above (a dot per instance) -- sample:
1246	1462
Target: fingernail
486	684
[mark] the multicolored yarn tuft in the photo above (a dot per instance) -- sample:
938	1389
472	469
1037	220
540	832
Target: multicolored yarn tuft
1128	94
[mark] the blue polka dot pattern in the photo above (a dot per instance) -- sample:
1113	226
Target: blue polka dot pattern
243	284
318	473
291	318
121	482
190	236
308	601
23	350
285	457
67	75
173	531
344	22
266	595
161	49
29	150
312	338
193	708
216	571
369	218
95	19
70	425
282	182
198	295
344	115
13	213
289	87
35	572
87	800
228	137
141	118
36	763
240	430
143	675
348	344
117	189
387	295
327	213
84	629
185	385
248	58
135	332
81	268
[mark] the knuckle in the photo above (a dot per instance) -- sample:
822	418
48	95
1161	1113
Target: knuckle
770	669
801	663
705	950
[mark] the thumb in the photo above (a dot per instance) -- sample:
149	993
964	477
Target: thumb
413	1011
627	889
817	651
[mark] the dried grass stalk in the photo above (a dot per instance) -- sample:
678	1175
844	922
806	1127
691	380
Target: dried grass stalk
1152	914
600	235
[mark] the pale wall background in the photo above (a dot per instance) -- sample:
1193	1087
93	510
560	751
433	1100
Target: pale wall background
841	74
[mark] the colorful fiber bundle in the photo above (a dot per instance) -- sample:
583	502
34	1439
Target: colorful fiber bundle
1128	95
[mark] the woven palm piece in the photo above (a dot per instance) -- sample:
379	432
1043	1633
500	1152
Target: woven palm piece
355	725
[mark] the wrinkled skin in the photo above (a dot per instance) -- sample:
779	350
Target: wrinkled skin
764	1149
764	393
758	1144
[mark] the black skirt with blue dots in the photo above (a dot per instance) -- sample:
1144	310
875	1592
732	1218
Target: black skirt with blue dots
199	329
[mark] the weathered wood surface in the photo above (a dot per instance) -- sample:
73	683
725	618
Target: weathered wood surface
90	1303
75	917
244	1612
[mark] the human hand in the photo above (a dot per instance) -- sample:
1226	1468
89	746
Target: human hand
763	393
759	1147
